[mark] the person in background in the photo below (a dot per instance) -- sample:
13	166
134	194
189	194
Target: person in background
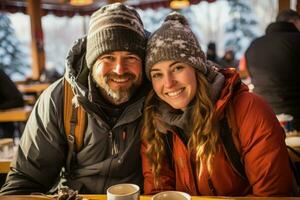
105	70
244	74
10	97
50	75
228	60
186	113
242	68
289	16
211	52
274	65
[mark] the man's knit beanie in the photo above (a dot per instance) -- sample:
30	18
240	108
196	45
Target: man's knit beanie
115	27
174	40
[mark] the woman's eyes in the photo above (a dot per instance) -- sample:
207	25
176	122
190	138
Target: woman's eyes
177	68
156	75
173	69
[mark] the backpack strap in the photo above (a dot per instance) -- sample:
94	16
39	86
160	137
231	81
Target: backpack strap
71	116
74	122
231	150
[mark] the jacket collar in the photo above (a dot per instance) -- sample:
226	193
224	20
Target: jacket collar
231	85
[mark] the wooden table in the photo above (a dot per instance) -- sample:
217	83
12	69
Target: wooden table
33	88
293	140
5	159
103	197
15	114
4	166
29	99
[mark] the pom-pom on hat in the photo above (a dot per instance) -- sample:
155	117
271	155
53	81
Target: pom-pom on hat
115	27
174	40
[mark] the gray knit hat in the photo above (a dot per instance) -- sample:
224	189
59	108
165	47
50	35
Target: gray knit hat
174	40
115	27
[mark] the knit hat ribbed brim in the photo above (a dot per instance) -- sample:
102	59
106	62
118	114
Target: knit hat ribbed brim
174	40
115	27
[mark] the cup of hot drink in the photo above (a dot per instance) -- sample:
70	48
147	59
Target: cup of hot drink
124	191
171	195
285	121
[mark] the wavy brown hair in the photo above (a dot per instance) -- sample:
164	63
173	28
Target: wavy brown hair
202	144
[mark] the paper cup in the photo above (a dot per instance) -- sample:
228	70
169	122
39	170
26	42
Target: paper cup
171	195
125	191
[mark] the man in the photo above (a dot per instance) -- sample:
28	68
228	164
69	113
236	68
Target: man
105	72
289	16
228	60
274	65
211	52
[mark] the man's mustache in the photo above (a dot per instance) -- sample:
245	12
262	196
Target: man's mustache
113	75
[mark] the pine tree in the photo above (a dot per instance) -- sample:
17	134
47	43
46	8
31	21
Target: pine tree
241	28
12	59
152	19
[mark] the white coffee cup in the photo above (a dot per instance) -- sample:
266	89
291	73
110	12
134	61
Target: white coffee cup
171	195
124	191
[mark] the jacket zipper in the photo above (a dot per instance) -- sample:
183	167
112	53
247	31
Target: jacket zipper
114	151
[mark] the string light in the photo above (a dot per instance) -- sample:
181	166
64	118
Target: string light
179	4
80	2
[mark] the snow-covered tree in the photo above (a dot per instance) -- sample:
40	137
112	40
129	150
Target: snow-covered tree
12	58
58	42
152	19
242	27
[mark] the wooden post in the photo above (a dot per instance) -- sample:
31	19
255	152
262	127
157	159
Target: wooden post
37	41
283	5
298	6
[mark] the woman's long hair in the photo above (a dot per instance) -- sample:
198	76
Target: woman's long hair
202	144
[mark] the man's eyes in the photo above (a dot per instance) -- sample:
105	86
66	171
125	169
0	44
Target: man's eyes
107	58
132	59
127	59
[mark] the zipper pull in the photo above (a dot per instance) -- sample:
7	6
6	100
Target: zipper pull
124	135
114	146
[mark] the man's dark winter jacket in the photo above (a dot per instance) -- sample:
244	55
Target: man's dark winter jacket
273	61
110	154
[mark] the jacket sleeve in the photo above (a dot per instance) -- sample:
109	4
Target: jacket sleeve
42	150
263	147
166	178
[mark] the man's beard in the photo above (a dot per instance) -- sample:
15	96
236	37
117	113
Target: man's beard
122	94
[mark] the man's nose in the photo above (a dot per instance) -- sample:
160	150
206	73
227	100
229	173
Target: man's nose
120	67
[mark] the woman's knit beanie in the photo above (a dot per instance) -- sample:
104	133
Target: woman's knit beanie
115	27
174	40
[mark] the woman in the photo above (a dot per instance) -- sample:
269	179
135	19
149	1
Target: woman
184	116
